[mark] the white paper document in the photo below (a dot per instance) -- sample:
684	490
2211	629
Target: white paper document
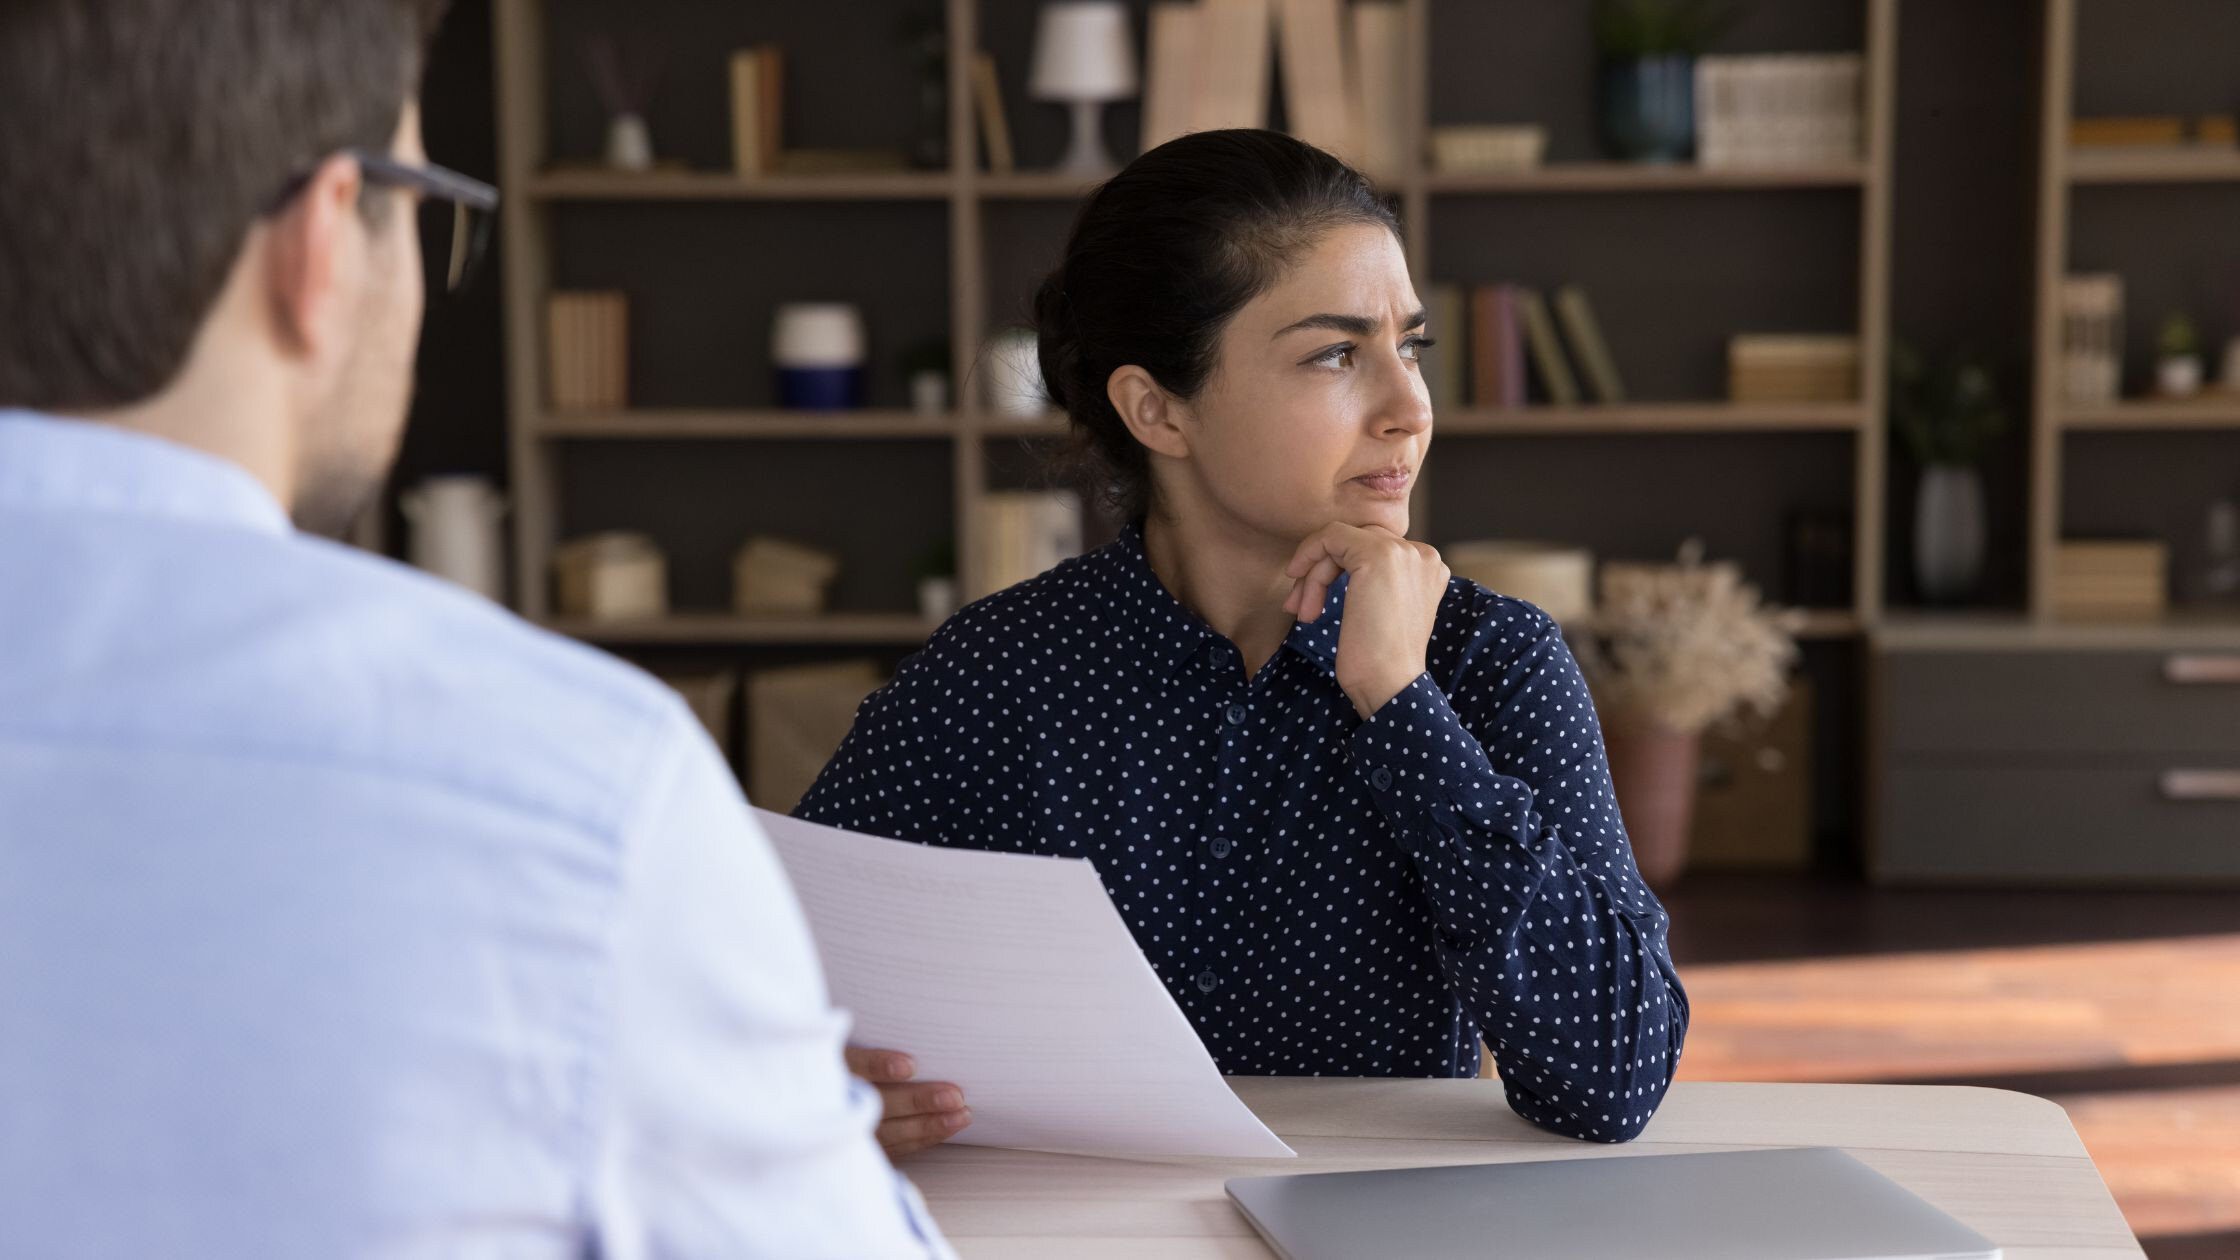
1013	976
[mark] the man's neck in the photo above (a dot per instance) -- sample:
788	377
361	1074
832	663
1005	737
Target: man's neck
220	409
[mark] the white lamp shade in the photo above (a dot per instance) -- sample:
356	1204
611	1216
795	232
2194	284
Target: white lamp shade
1084	51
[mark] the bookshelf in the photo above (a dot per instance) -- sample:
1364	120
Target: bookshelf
567	225
2086	197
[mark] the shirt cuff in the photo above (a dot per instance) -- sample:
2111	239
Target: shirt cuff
1424	767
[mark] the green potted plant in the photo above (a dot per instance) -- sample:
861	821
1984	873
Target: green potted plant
1670	651
2177	369
1946	414
1645	82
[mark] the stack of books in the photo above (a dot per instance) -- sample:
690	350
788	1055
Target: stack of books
588	348
1779	109
1026	532
2111	580
1516	353
1344	74
1791	368
2091	337
1488	148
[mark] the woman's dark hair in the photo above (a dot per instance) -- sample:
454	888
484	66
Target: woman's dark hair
1160	259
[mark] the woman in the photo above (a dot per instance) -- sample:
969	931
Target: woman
1355	810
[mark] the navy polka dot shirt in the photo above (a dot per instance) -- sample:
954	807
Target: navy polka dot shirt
1321	894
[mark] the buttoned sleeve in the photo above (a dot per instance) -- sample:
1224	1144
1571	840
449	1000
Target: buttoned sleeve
1500	792
734	1128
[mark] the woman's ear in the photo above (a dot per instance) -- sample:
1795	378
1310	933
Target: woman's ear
1151	413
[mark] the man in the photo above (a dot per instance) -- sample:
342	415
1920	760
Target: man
341	914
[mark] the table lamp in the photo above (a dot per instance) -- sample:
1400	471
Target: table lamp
1084	55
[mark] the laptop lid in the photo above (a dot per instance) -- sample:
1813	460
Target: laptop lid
1810	1203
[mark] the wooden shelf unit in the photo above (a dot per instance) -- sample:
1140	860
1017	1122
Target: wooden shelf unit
2063	171
538	189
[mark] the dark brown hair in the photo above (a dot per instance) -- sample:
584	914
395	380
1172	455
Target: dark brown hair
1160	259
144	138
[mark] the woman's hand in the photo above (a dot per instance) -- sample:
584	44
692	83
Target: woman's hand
1391	604
913	1115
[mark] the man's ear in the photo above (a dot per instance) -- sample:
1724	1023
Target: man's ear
314	251
1152	414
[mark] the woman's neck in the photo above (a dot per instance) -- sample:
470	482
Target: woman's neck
1229	576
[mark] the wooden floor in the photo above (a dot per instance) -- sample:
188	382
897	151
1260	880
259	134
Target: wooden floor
2123	1007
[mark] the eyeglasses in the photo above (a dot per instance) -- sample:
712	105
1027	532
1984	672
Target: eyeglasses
456	209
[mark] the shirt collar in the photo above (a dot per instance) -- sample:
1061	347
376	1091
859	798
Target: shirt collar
1177	636
51	464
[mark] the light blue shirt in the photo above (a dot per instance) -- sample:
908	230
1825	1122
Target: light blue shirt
344	914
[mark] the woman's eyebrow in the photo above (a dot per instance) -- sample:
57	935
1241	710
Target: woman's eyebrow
1356	325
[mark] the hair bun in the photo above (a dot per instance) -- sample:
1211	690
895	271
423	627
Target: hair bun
1057	345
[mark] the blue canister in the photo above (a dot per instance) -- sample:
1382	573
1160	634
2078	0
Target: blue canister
817	351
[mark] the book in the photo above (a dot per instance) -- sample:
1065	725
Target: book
1485	346
2155	131
587	350
1445	320
995	131
1587	345
1317	99
1170	72
1381	83
748	134
1230	87
1497	358
1547	352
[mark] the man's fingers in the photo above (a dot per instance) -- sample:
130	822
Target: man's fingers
931	1098
880	1067
915	1133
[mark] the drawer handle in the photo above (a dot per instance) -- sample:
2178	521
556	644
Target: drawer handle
2201	785
2201	669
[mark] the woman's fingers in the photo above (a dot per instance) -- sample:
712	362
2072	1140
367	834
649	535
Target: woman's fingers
1312	588
911	1134
880	1067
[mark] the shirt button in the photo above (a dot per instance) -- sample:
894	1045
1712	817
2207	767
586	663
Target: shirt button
1236	715
1381	779
1207	982
1221	846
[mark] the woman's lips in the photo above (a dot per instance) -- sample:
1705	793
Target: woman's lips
1390	483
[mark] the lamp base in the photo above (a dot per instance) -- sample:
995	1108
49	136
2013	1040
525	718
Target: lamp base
1086	158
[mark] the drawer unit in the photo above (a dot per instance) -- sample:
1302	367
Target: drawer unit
2143	821
2052	765
2061	701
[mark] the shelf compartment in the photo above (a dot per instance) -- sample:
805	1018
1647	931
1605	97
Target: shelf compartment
746	425
1616	177
1704	417
598	185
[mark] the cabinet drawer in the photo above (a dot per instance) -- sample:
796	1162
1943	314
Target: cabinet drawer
2144	820
2060	702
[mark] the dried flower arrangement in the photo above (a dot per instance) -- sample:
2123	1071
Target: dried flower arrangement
1684	647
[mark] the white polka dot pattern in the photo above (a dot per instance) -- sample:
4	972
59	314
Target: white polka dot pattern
1322	895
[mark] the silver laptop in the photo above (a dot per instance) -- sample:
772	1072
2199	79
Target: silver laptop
1809	1203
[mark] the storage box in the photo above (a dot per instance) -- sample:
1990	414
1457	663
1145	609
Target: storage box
612	577
771	576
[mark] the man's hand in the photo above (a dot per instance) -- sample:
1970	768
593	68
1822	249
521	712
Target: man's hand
914	1115
1391	605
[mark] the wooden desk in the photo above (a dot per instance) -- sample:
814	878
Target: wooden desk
2007	1164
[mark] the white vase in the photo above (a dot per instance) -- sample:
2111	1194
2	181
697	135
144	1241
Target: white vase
1948	533
629	143
937	598
455	532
